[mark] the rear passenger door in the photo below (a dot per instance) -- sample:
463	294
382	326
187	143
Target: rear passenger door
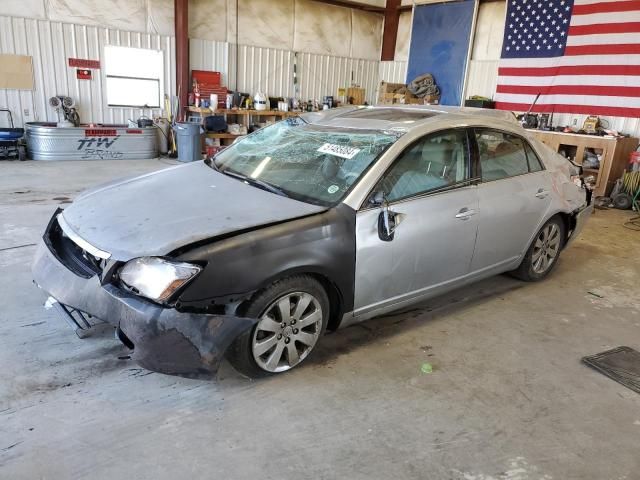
514	197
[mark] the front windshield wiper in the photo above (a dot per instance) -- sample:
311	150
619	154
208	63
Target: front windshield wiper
252	181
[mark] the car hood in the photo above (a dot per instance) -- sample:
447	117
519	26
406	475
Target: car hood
159	212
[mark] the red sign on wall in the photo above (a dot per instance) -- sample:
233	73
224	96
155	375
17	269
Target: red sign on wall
82	63
83	74
100	132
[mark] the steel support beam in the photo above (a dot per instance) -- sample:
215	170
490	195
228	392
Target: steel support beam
182	53
390	32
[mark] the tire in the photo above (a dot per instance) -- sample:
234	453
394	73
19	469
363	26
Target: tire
543	253
623	201
269	347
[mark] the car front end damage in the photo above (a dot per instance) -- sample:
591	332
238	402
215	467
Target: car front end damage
163	339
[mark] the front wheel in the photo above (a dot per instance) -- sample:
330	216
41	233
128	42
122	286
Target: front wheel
543	253
293	315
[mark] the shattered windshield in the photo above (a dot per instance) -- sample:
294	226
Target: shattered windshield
311	163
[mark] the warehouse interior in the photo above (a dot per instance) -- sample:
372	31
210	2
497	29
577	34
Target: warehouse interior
495	378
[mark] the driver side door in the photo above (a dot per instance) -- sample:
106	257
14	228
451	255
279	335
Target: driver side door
432	201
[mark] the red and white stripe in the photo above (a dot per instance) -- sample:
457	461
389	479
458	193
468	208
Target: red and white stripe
599	73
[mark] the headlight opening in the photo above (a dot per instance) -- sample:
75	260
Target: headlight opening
156	278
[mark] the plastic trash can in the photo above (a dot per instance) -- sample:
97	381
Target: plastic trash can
188	139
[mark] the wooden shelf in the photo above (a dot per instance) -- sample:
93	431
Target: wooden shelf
223	111
222	135
614	155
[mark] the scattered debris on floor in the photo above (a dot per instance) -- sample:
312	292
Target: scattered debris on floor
426	368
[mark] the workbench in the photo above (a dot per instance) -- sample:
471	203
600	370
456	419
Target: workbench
240	116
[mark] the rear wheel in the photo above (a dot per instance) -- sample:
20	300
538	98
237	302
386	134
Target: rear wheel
543	253
293	315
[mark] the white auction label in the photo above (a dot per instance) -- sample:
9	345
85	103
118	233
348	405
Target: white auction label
342	151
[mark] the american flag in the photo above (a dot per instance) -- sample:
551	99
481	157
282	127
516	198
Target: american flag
582	56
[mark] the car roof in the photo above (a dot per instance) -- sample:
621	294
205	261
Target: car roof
408	117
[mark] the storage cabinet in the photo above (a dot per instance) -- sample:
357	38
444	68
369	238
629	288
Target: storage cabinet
614	153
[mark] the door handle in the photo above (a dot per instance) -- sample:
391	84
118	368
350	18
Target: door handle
541	193
465	213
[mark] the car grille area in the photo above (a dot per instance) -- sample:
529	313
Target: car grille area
76	259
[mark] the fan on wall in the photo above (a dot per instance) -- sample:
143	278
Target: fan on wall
65	106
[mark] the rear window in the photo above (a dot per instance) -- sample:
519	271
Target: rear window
501	155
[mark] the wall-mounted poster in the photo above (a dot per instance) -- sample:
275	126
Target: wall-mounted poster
16	72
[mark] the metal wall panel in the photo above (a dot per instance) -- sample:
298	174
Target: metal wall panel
271	70
321	75
209	55
261	69
393	72
482	78
51	44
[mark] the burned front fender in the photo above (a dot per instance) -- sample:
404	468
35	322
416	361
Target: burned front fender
177	343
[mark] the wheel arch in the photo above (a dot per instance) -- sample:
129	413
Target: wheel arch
569	221
332	289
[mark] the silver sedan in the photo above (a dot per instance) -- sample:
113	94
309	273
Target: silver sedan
310	224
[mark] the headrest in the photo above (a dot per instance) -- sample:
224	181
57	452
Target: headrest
437	152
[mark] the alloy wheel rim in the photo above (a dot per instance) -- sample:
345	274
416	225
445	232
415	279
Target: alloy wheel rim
287	331
546	248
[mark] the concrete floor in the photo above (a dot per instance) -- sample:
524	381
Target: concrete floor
508	397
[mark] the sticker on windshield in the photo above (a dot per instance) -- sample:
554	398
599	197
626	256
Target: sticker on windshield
342	151
333	189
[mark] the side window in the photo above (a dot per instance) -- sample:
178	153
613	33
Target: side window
501	155
438	160
535	165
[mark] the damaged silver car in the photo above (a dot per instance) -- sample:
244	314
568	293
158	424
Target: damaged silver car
310	224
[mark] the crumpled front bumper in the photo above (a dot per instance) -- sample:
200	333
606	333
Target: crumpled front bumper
164	339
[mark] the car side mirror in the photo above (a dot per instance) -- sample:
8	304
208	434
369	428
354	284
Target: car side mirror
386	224
387	220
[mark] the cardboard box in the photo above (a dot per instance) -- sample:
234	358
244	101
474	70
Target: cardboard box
399	99
355	95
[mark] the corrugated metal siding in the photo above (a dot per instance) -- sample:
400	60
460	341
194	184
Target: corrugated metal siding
260	69
208	55
483	75
271	70
393	72
323	74
51	44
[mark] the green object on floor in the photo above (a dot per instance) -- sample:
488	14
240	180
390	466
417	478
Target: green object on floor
426	368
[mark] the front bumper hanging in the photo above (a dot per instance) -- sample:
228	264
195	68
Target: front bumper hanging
163	339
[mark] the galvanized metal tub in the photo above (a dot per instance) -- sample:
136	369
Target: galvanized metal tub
45	141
